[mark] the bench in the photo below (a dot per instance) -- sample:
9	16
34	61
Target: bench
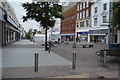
84	45
107	52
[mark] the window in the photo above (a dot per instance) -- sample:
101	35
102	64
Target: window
78	16
83	5
95	21
95	9
105	6
78	7
83	14
104	19
87	4
77	25
87	14
82	24
87	23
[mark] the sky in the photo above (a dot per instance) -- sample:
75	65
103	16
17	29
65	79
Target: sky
19	11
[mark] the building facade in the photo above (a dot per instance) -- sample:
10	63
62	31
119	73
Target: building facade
68	24
100	15
54	33
10	30
83	21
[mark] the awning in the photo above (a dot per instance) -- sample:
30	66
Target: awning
67	34
82	32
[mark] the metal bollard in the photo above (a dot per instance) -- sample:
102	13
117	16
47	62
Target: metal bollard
74	45
36	63
104	59
49	47
74	61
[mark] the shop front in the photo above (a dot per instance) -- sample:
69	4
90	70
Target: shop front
82	36
67	37
99	36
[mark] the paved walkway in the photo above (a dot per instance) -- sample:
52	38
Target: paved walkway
18	62
15	56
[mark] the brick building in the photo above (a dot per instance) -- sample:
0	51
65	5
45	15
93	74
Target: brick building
68	24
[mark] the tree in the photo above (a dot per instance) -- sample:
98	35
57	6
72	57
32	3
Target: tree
116	15
44	13
28	34
35	31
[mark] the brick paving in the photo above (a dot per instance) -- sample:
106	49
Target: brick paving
88	64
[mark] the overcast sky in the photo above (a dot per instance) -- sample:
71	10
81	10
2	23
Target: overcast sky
16	4
19	10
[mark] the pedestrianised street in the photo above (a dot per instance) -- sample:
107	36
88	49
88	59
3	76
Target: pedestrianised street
18	61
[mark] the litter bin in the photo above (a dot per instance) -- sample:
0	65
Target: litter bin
47	46
114	46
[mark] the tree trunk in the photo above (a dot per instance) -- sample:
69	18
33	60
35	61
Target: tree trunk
46	48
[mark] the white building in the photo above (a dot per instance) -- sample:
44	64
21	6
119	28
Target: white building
99	21
55	31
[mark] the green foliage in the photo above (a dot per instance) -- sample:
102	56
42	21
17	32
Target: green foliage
35	30
43	12
116	16
28	34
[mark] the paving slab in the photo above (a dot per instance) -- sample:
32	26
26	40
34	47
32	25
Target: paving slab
22	57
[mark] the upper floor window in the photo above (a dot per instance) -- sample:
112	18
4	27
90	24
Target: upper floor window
77	25
83	5
78	16
82	24
87	23
83	14
95	21
78	7
87	14
104	19
87	4
105	6
95	9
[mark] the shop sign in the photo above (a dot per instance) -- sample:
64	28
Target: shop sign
97	32
103	31
82	32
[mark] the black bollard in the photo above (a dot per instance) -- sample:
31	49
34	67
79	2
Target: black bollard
49	47
36	62
74	61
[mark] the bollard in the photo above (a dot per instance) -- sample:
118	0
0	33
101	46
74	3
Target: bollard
49	47
36	63
104	59
74	45
74	61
